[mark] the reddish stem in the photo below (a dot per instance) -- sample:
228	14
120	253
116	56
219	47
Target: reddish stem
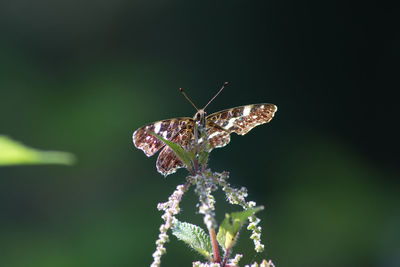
227	252
214	245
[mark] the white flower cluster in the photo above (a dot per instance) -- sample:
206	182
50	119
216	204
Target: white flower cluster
204	187
238	197
256	233
200	264
235	262
236	259
170	208
264	263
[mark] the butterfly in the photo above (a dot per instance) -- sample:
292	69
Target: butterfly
217	126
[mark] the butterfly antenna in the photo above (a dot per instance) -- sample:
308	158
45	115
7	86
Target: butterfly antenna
188	99
220	90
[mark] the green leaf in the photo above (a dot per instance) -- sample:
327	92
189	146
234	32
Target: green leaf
15	153
194	236
185	156
203	157
204	149
231	225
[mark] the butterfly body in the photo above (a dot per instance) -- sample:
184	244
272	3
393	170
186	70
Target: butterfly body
186	132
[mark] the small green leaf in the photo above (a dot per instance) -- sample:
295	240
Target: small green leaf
194	236
231	225
15	153
203	157
185	156
204	148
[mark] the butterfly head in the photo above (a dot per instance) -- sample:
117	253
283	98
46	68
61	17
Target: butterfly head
200	117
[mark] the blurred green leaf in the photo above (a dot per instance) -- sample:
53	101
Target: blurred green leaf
231	225
15	153
194	236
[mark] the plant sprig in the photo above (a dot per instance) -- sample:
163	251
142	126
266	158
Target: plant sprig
205	183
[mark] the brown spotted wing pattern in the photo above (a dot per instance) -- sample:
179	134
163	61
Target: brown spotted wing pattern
239	120
178	130
219	126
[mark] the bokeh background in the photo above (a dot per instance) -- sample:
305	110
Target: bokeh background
81	76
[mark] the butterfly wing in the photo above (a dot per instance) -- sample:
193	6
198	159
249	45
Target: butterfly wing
167	161
239	120
217	137
168	129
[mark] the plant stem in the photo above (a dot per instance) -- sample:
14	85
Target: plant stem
214	245
195	166
225	257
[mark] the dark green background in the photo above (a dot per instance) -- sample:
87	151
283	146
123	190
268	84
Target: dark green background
81	76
